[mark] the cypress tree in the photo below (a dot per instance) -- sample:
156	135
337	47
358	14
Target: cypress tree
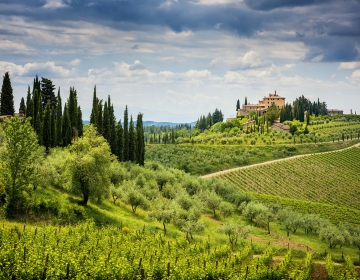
48	93
112	129
237	105
100	117
66	128
7	97
119	141
140	140
106	123
29	106
95	109
126	135
132	141
53	128
47	127
22	105
245	100
39	127
80	122
73	109
36	97
59	137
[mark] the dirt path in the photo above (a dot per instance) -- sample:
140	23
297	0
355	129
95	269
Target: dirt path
271	161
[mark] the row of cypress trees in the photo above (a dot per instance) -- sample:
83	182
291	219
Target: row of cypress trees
54	126
126	142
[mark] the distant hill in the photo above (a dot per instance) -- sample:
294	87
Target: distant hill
150	123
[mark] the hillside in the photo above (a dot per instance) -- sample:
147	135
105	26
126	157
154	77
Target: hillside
330	178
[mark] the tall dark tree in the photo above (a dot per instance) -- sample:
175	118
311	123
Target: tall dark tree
100	117
36	108
119	142
237	105
59	134
29	105
6	97
94	116
53	128
126	135
245	100
106	122
22	106
140	141
112	128
132	141
47	127
73	110
48	93
66	128
79	122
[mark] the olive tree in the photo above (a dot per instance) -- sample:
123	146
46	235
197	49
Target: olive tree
233	232
165	211
89	165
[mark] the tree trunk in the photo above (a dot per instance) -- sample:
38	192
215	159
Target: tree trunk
86	198
164	228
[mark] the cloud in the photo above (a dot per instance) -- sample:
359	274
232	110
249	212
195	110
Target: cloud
251	60
54	4
349	65
172	59
356	74
137	66
135	47
264	5
31	69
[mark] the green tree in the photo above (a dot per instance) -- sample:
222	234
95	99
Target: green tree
17	162
132	141
58	137
22	106
119	141
48	93
79	122
47	140
94	116
211	200
126	135
29	105
66	128
233	232
91	159
272	113
140	141
237	105
164	211
332	235
7	97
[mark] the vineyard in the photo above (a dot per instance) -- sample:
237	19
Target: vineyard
85	251
331	178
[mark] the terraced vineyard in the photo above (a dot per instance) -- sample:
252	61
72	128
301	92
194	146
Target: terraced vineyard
330	178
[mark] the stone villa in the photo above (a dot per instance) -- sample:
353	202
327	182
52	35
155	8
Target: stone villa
262	106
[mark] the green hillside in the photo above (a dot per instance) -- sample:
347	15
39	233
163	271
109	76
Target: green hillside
330	178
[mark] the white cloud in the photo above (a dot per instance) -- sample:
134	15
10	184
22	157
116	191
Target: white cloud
13	46
349	65
75	62
54	4
31	69
251	60
356	74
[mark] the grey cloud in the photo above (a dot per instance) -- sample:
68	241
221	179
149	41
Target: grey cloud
135	47
266	5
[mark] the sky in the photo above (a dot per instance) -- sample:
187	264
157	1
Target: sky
175	60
